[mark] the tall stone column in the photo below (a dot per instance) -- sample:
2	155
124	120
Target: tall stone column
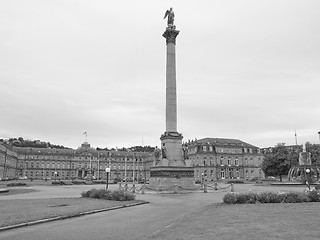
171	86
171	140
170	170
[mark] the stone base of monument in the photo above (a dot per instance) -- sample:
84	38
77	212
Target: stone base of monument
172	178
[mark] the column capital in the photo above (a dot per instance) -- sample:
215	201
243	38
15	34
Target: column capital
170	35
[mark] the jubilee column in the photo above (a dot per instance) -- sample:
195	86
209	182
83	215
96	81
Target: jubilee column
171	140
170	166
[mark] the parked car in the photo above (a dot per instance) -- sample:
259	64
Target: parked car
23	178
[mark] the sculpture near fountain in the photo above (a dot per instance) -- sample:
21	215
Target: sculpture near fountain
305	172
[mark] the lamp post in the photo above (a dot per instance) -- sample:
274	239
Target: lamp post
319	135
55	176
98	167
133	166
125	167
107	172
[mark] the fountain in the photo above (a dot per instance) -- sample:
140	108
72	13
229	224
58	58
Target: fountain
305	172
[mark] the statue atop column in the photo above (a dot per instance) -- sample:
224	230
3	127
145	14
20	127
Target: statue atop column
170	15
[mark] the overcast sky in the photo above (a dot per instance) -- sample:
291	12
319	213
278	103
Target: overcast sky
247	70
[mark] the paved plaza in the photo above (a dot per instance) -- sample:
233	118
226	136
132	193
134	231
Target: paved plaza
139	222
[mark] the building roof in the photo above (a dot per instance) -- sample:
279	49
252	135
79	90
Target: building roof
225	142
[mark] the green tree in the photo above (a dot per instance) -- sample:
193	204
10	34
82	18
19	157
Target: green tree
277	163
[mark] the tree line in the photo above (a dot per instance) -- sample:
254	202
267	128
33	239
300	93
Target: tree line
130	149
20	142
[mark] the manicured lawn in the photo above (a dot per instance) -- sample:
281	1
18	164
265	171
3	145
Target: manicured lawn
26	210
19	190
247	221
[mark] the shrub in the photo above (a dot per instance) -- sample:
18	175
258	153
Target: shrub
246	198
120	195
269	197
264	197
93	193
230	198
314	196
56	183
116	195
99	181
295	197
85	194
66	182
17	184
317	187
78	182
235	181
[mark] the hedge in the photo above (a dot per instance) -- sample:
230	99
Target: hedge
116	195
16	184
271	197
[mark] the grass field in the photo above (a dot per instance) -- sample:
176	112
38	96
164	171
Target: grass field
27	210
247	221
216	221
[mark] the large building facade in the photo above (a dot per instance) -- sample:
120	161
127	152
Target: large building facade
212	159
8	162
217	158
82	163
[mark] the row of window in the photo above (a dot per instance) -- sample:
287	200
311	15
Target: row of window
222	150
80	165
53	157
222	161
230	173
58	174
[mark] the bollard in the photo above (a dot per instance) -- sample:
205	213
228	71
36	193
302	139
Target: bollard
215	186
232	187
126	187
142	189
133	188
175	188
205	188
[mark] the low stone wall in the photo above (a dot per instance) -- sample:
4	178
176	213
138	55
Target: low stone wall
168	184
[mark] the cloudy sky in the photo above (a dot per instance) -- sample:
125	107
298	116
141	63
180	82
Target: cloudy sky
246	69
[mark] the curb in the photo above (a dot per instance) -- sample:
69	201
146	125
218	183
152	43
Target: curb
69	216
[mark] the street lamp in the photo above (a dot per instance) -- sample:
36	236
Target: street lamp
107	171
55	176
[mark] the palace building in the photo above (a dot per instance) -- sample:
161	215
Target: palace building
219	158
212	158
82	163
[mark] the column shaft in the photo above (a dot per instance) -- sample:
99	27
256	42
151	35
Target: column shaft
171	95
